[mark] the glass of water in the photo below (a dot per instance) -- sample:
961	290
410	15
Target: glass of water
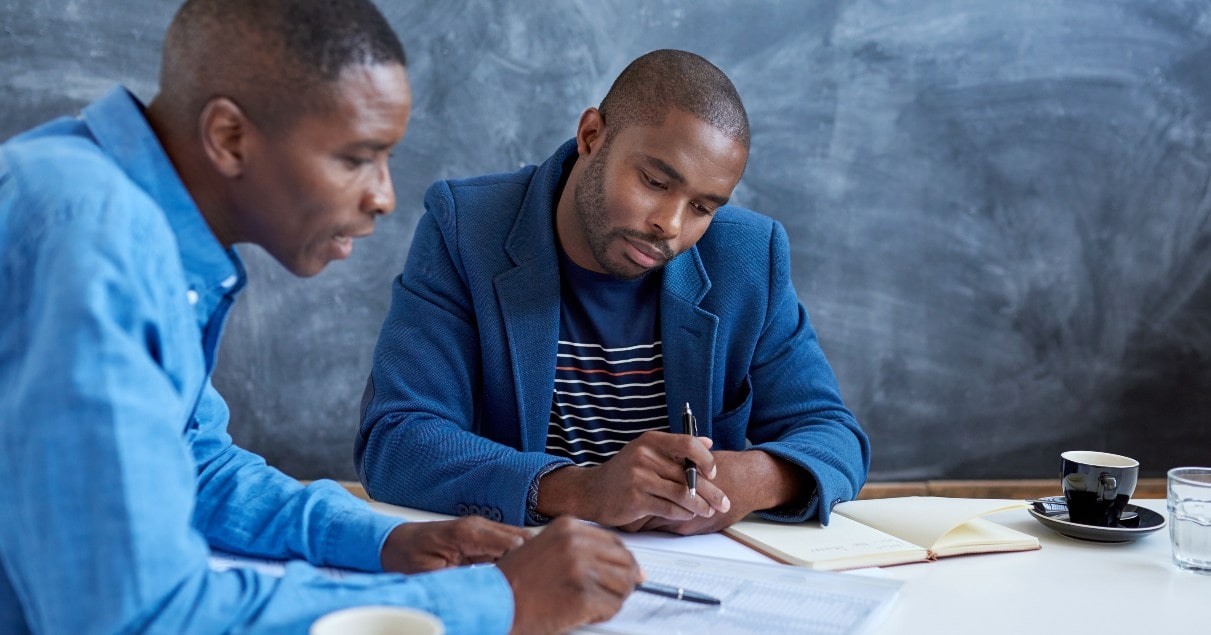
1190	517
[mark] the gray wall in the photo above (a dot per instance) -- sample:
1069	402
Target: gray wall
998	210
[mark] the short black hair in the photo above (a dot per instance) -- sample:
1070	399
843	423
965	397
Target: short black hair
276	58
657	82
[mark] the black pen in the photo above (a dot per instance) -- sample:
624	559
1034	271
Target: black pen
677	593
690	426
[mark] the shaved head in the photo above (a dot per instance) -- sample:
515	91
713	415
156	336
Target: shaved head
668	79
276	59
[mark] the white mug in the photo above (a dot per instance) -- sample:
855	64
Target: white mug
378	620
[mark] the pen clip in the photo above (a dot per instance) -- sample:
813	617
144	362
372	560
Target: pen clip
689	421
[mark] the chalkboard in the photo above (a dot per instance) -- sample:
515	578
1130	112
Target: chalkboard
1000	212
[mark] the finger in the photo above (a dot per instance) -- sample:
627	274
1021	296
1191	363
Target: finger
709	443
674	492
658	488
694	526
674	503
701	455
679	448
636	525
617	572
713	496
481	540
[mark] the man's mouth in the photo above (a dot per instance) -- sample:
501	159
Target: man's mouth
645	254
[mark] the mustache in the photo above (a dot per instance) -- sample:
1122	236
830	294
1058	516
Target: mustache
655	241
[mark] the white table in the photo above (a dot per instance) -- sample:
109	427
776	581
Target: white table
1067	586
1117	588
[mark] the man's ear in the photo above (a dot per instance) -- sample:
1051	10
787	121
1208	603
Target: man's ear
590	132
225	131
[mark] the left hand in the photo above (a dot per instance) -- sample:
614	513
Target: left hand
416	547
752	479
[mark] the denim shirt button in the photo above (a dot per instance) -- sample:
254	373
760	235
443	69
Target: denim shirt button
460	509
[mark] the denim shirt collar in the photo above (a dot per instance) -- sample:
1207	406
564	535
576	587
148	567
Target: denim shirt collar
118	124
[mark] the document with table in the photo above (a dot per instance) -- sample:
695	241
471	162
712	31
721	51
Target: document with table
757	598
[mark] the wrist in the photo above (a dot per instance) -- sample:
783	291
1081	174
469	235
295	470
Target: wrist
561	491
774	481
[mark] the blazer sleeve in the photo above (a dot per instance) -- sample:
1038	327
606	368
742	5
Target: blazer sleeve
797	412
418	443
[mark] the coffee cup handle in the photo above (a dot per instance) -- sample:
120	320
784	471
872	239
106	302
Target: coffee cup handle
1107	486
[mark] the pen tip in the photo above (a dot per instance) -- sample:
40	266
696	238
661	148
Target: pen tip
687	408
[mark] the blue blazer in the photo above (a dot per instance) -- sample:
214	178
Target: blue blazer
456	409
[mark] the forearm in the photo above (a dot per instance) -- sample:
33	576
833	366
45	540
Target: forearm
247	507
293	602
419	461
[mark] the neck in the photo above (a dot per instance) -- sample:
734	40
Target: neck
204	184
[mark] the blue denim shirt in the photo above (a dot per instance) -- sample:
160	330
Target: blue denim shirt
116	469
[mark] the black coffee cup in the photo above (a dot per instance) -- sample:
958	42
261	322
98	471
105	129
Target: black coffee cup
1097	485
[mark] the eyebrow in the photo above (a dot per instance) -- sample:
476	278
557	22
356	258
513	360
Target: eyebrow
673	174
368	144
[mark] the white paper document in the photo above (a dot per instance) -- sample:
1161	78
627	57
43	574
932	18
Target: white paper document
757	598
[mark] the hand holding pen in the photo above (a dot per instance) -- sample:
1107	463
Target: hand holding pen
640	487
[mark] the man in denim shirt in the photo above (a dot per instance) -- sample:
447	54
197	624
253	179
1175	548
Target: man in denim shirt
117	475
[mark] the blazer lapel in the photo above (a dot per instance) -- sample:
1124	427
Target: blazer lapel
529	301
688	334
529	305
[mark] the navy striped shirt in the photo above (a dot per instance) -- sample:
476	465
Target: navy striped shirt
609	373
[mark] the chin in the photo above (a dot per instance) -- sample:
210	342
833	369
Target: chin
312	269
304	268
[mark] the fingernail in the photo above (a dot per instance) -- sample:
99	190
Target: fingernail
727	504
714	470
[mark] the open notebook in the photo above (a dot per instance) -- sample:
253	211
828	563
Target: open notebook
888	531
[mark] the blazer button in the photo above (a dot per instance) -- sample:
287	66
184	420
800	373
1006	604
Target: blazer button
496	515
473	510
460	509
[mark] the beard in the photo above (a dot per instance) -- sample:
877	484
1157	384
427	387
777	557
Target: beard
591	214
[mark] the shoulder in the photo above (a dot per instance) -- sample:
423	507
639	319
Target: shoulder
65	173
63	190
480	195
742	242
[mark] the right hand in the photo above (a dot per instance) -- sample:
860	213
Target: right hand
645	480
569	575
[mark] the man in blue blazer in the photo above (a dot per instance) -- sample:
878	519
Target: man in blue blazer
557	331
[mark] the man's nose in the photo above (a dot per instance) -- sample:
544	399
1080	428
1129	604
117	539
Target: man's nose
380	198
666	219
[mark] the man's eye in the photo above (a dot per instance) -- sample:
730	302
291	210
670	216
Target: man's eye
654	183
354	162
